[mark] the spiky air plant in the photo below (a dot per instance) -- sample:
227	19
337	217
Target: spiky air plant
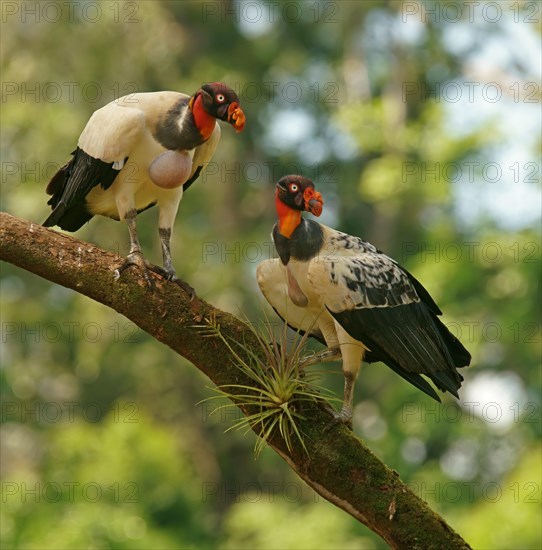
281	387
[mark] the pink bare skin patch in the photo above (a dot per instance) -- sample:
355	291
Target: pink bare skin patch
170	169
296	294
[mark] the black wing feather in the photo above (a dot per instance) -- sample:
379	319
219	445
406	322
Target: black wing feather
415	379
387	309
190	181
422	292
411	340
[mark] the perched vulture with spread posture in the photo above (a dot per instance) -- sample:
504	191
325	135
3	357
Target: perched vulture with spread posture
137	151
349	295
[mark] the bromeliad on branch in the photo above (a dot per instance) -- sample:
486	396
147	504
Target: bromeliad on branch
359	302
137	151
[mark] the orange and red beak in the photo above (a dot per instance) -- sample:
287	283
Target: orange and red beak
313	201
236	116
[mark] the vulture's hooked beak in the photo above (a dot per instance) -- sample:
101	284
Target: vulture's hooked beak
236	116
313	201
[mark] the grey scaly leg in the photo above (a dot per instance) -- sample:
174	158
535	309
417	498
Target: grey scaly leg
135	256
169	270
165	240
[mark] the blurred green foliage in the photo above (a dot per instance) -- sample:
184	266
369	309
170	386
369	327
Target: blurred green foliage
103	445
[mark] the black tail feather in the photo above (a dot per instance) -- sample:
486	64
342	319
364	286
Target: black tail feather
415	379
412	341
445	381
69	219
459	354
70	186
56	215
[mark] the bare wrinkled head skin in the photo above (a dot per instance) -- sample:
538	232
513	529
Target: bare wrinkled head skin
220	101
298	192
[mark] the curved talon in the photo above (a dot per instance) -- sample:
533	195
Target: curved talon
137	259
164	273
307	357
186	287
343	417
324	356
171	276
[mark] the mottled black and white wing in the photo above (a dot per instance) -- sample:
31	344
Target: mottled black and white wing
365	280
378	304
343	245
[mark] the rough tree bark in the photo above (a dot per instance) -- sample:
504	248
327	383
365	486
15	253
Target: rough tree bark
340	468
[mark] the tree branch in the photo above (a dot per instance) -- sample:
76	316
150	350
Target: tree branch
339	466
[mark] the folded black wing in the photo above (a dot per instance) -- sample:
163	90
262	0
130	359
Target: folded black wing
102	150
71	184
382	306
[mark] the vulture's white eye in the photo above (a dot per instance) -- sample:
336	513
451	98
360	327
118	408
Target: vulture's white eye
220	98
293	187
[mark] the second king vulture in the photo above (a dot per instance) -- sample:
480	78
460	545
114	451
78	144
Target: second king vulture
137	151
349	295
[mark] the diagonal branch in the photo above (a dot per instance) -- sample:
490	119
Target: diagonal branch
340	468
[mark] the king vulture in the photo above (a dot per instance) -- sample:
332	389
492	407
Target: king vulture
137	151
349	295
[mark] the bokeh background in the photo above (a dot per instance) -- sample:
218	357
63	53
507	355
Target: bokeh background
420	123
